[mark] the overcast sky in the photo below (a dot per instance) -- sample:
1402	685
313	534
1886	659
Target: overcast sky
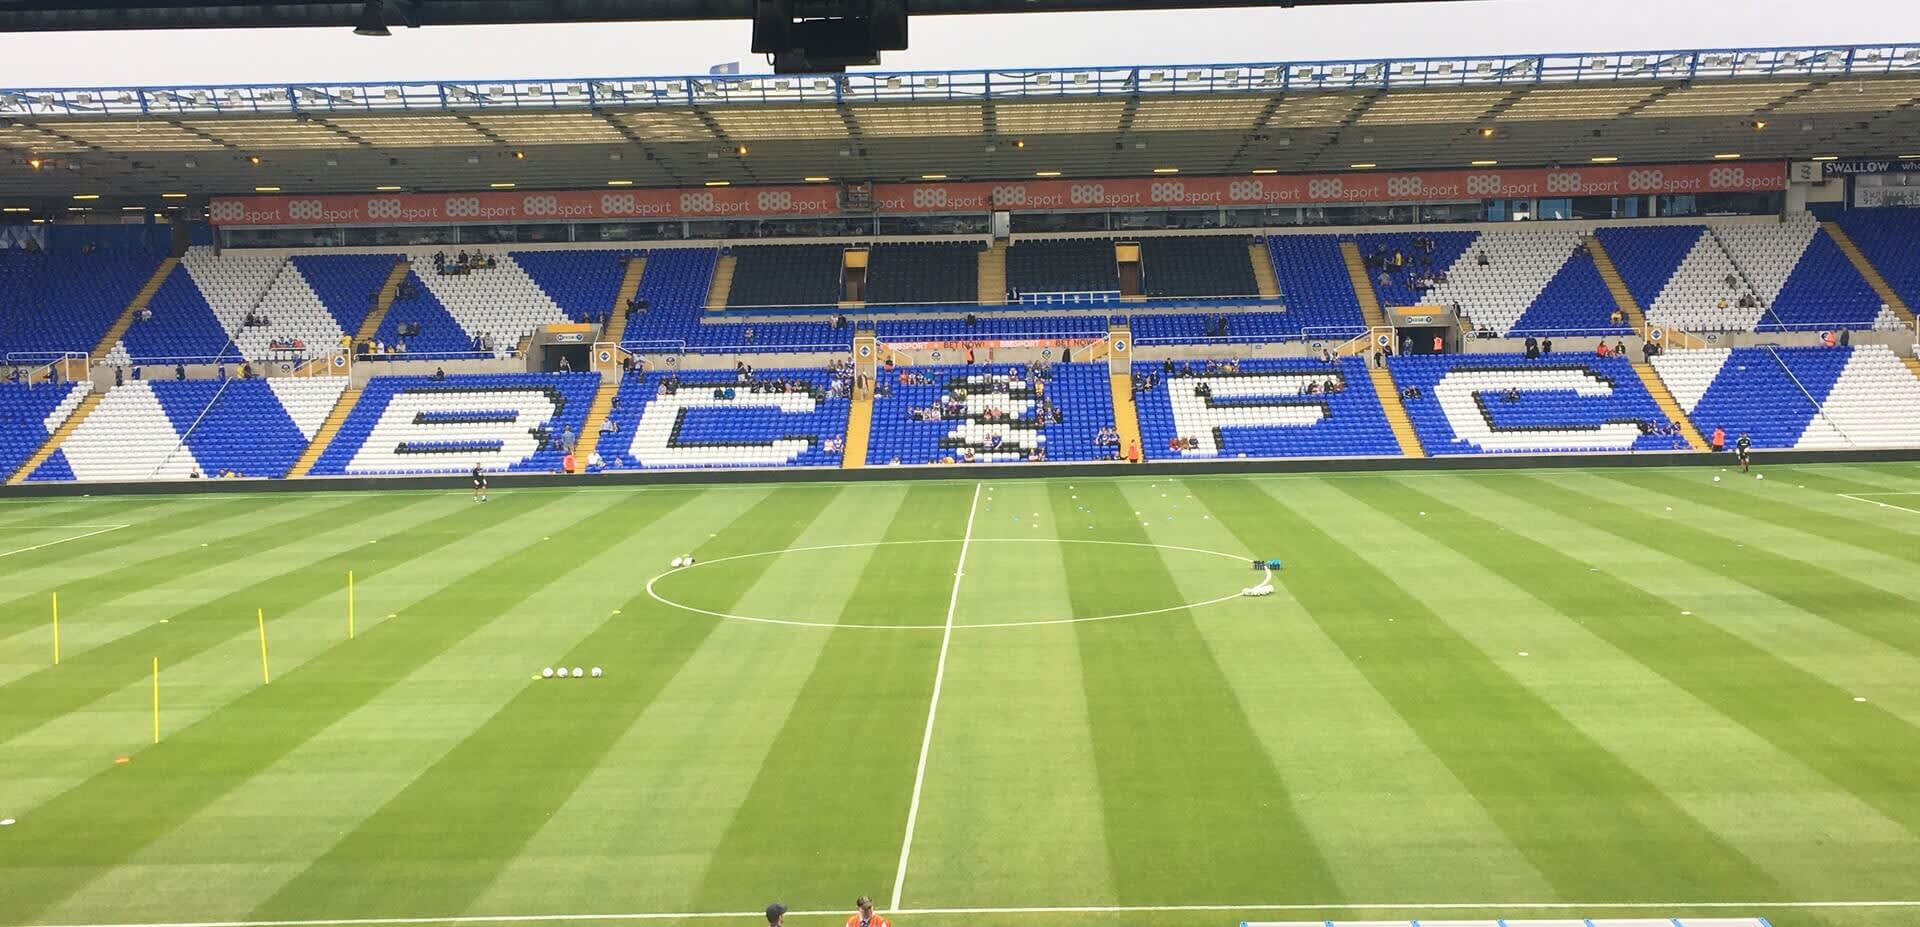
1026	40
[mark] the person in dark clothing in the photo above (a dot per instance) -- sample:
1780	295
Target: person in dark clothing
1743	451
179	371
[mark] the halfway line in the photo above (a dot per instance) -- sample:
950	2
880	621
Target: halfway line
933	705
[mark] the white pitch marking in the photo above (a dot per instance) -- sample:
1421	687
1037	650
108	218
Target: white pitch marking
76	537
1062	909
1884	505
933	705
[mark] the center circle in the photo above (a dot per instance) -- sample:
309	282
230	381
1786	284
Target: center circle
665	588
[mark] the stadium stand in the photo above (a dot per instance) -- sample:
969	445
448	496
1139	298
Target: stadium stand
1802	398
1070	265
1506	403
1887	237
1679	275
170	429
183	326
923	272
29	414
1260	408
346	285
1316	293
582	284
786	275
412	425
1396	261
714	418
1182	266
1800	276
985	413
57	304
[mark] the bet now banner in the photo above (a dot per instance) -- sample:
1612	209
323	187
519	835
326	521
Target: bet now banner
948	197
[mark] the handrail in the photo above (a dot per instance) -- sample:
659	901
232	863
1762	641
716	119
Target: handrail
222	391
1818	409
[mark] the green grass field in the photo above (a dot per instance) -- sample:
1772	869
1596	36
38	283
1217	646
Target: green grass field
1474	694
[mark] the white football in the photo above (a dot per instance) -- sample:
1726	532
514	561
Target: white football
547	673
1716	479
596	672
676	562
1759	476
689	559
577	673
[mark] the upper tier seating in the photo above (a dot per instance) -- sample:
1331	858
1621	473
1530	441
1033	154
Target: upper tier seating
29	414
1315	289
1682	278
1890	239
1065	265
1418	254
1801	276
584	283
1505	403
184	324
1805	398
1260	408
61	304
1535	281
991	413
786	275
403	425
923	272
347	285
502	302
1196	265
713	418
168	429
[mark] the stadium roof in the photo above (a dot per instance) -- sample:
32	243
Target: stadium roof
138	142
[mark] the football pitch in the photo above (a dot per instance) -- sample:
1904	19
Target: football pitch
1520	694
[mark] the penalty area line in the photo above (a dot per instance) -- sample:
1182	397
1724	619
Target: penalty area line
77	537
1047	909
933	704
1861	497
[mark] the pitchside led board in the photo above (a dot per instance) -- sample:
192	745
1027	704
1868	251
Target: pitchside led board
985	196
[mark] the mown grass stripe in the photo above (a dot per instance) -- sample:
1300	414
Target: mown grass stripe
398	859
92	674
1188	790
35	572
822	820
1810	587
102	823
1564	800
1861	748
1784	509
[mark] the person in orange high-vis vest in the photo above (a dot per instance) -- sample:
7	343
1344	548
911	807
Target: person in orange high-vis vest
865	916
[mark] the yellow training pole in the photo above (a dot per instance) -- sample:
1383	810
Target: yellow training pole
156	699
265	677
349	605
56	629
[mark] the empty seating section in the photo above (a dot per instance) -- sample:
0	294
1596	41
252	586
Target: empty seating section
1890	238
582	283
501	302
183	326
1068	265
984	327
28	416
930	272
1801	276
786	275
1242	327
1505	403
1533	282
1196	265
708	418
1806	398
405	425
1682	278
64	304
434	332
1314	287
991	413
1260	408
168	429
346	284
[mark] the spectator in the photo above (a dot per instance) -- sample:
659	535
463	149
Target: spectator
864	916
1533	348
439	374
1439	344
1481	259
1829	339
1846	337
1719	439
566	438
1619	348
179	371
1546	346
1602	350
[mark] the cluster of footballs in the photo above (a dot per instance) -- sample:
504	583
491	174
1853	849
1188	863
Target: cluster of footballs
686	561
563	672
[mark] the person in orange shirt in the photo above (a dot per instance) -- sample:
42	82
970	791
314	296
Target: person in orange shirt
1719	439
865	916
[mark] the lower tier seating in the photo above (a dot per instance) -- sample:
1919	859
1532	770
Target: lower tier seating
1260	408
724	418
409	425
180	429
29	413
1506	403
1803	398
997	413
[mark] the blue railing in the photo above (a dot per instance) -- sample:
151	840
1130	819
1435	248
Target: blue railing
584	93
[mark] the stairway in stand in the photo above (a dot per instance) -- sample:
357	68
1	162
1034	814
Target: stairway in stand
1363	286
1913	364
596	416
722	282
118	329
54	440
1663	397
370	325
1264	281
990	277
1396	412
1126	417
1880	286
1622	297
853	455
616	327
324	436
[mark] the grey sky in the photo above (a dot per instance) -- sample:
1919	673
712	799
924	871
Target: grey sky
1028	40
